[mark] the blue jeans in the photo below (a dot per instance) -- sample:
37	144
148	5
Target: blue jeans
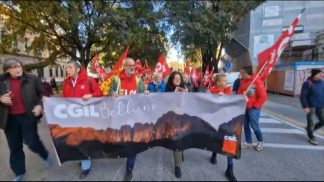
252	119
229	161
130	162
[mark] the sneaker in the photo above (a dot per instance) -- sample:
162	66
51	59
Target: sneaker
313	141
129	175
230	174
84	173
259	146
247	145
19	177
48	162
177	171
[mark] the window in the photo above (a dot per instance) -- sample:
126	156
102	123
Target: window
15	44
56	72
26	43
62	72
50	72
40	72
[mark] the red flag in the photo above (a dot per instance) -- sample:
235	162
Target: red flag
118	67
138	69
162	67
102	73
119	63
195	77
210	76
269	57
211	72
95	63
207	70
187	67
148	70
205	80
138	64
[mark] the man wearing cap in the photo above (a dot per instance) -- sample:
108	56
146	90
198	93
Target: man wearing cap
312	100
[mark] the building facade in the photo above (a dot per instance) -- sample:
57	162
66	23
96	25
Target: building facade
26	57
265	24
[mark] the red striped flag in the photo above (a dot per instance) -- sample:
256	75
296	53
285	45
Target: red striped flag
269	57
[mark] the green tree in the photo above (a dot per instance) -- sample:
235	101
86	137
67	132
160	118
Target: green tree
205	25
82	29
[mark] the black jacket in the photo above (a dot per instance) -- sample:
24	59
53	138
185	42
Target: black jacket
31	92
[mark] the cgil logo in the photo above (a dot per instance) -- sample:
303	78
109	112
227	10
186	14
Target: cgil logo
63	111
230	138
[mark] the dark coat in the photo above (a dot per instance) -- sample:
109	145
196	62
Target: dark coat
312	93
31	91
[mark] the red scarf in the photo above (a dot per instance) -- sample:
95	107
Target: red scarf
128	84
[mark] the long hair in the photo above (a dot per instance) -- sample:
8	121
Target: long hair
169	86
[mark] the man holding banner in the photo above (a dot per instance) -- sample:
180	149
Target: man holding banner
127	83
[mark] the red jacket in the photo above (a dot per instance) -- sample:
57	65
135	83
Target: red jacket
216	90
82	86
260	95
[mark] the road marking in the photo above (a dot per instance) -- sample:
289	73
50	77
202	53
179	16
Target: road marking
117	173
268	113
280	130
263	114
290	146
160	166
269	120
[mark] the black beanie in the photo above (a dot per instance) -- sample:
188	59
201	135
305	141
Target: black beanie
315	72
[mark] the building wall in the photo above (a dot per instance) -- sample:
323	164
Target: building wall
268	20
58	70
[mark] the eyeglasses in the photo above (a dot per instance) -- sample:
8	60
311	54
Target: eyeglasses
130	65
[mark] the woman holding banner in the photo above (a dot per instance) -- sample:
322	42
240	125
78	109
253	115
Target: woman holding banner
220	87
176	84
79	85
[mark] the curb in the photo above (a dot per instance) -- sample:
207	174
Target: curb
289	120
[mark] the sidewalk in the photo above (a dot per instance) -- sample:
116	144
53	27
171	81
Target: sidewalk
287	108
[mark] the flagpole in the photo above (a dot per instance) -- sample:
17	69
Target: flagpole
256	76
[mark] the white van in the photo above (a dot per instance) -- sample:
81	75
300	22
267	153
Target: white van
231	77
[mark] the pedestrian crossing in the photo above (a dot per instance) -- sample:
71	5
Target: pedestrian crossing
280	134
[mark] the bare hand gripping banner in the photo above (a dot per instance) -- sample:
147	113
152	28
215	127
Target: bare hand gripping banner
110	128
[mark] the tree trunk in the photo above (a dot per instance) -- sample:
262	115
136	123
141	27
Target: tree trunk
206	60
209	58
216	59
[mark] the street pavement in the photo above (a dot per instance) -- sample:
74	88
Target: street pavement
286	156
288	109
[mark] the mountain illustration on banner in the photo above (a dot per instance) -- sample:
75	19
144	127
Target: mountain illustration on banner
171	130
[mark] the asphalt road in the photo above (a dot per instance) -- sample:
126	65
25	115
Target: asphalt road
286	156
